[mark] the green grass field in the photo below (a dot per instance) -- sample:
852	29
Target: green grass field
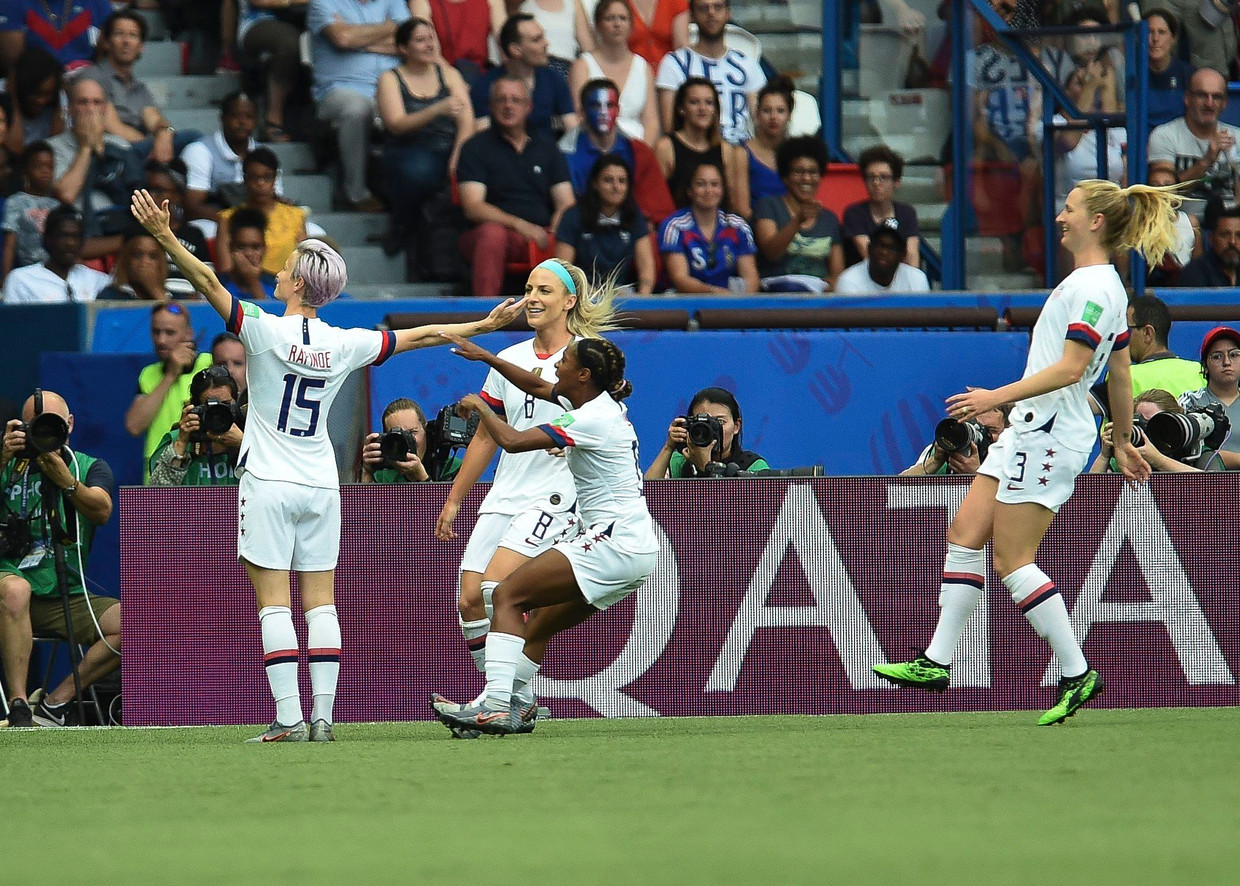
1114	796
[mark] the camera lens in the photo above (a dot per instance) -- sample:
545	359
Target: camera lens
952	436
217	417
47	432
394	445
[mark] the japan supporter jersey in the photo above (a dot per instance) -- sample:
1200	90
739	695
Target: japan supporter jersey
1089	307
524	478
602	455
294	369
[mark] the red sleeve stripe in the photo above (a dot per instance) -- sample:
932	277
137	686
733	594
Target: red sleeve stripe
387	349
1121	340
497	405
557	435
235	316
1085	334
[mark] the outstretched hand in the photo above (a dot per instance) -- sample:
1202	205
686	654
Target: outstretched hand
465	348
469	403
971	403
504	313
1131	463
155	218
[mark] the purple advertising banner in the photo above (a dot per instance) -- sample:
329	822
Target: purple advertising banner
771	596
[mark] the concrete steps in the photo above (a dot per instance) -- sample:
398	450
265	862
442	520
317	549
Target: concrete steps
160	58
192	92
368	264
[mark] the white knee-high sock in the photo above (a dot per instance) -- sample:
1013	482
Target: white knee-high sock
964	577
526	670
475	634
503	655
323	651
488	595
1043	606
280	659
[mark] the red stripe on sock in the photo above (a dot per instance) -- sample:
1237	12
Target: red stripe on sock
323	650
281	653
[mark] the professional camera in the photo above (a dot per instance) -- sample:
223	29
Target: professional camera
16	540
1186	436
396	444
449	430
46	432
956	436
1139	424
704	430
215	417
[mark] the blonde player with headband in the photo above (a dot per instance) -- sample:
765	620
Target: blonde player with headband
531	501
1031	469
289	496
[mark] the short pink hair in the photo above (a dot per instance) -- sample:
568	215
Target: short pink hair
321	269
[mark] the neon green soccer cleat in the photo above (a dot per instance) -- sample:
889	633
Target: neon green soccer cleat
1073	692
920	673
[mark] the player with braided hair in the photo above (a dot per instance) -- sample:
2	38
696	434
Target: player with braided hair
614	550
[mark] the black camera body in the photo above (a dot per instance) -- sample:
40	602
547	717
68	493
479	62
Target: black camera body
215	417
704	430
46	432
1139	437
957	436
16	540
396	444
1186	436
450	431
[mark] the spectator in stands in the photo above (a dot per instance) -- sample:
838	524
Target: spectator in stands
10	170
403	414
1220	364
612	60
1218	266
1208	30
681	459
425	108
270	31
1198	146
353	44
141	270
514	188
166	181
463	28
94	170
215	164
695	138
286	224
247	276
1147	405
775	101
189	456
659	26
30	600
62	277
523	44
164	386
1077	149
25	211
605	233
884	269
735	75
882	170
1095	55
936	461
228	351
132	113
67	30
1154	365
1169	74
583	145
798	236
704	249
34	87
567	29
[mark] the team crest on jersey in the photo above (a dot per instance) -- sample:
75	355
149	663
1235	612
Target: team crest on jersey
1092	313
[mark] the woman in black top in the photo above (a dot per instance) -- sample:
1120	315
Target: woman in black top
605	234
695	140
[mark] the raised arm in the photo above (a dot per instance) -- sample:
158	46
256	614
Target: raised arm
155	220
503	433
429	336
526	381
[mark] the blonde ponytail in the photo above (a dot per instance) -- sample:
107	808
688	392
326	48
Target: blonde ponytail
1140	217
595	310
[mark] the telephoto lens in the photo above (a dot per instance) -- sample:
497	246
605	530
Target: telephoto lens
396	444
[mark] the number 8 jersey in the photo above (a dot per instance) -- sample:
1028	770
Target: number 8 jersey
295	366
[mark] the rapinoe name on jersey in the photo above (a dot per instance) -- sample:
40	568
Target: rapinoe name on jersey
313	359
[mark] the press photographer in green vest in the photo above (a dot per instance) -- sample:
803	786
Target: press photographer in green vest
202	449
46	485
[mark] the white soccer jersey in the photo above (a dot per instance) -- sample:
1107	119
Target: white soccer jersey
1089	307
524	477
602	455
294	369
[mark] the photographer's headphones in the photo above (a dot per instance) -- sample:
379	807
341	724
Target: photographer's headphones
38	401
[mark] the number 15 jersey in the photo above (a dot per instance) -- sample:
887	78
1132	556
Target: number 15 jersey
294	369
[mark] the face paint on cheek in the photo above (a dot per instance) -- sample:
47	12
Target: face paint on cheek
601	109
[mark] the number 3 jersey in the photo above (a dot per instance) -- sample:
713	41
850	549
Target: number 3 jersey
294	369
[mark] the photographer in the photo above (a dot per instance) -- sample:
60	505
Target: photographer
406	437
1220	363
34	455
960	447
1147	405
201	450
716	416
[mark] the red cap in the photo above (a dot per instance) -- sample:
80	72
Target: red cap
1214	335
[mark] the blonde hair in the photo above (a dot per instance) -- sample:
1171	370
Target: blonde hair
1140	217
595	310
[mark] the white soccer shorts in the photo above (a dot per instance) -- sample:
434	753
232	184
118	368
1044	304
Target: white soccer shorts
605	572
1032	466
529	533
283	525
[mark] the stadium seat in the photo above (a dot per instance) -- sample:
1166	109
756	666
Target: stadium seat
913	122
841	186
806	118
